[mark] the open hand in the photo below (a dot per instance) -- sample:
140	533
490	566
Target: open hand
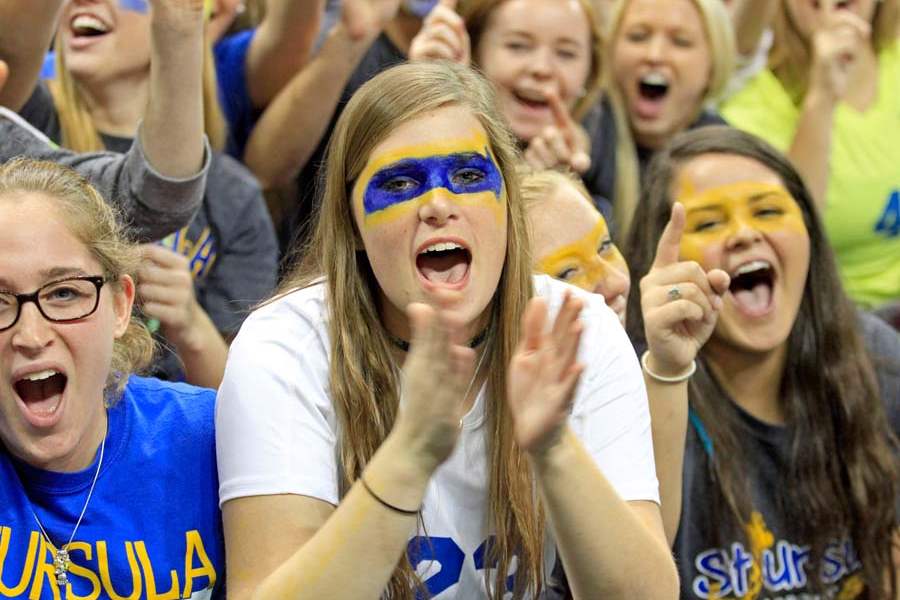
563	144
680	302
443	36
543	373
438	372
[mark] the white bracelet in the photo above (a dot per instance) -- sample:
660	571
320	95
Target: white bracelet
677	379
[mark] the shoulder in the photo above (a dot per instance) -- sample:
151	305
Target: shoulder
229	177
299	315
883	344
160	404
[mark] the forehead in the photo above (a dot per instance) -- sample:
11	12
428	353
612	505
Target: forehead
680	14
563	218
710	171
554	18
36	237
445	130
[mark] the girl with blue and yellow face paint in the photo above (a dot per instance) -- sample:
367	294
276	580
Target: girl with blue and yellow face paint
571	240
425	375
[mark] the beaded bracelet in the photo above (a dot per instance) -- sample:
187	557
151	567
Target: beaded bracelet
386	504
677	379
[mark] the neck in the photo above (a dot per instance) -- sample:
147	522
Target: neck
753	380
402	29
86	448
117	106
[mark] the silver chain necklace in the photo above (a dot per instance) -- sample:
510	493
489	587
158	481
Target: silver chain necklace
61	560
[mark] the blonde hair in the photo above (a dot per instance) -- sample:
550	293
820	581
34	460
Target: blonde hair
477	15
363	379
77	125
790	58
95	223
537	185
723	50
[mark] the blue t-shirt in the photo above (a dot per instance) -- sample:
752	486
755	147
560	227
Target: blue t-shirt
152	528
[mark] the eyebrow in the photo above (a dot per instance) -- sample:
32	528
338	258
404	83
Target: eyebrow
706	208
403	163
49	274
763	195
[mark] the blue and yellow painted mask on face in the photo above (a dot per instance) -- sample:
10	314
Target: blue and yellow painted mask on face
402	180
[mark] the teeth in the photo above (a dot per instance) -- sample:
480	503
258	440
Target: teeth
443	247
756	265
41	375
89	22
655	79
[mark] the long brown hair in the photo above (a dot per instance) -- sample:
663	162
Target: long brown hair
791	57
78	130
829	391
363	381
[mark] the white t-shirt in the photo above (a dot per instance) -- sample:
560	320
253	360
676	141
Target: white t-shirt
277	430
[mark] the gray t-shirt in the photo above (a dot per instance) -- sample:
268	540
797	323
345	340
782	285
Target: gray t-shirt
711	557
152	204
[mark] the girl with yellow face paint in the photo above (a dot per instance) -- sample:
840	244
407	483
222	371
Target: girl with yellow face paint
571	240
791	376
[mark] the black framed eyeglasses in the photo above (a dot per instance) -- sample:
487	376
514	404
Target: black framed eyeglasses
59	301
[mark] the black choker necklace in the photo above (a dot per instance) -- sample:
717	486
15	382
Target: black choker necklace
404	345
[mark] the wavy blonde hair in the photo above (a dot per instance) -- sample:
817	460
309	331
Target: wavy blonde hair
363	379
723	49
790	58
96	224
77	125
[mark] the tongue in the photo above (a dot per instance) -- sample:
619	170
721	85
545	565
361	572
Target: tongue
42	397
448	269
756	300
648	107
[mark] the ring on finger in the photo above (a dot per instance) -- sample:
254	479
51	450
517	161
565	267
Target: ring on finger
674	293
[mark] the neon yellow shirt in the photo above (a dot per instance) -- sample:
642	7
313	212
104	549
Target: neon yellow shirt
862	217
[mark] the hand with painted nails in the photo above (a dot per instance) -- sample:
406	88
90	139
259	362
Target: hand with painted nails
564	144
443	36
543	374
366	18
680	302
837	42
437	374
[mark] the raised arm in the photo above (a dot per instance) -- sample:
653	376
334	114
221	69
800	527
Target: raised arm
838	45
292	125
281	46
680	304
605	542
290	546
172	130
26	30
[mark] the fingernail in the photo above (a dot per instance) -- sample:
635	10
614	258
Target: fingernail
717	302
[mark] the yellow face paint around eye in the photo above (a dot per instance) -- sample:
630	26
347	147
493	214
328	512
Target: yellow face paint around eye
716	214
398	182
582	256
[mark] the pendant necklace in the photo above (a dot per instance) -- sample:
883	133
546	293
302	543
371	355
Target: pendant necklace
61	560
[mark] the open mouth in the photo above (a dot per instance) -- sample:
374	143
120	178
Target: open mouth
41	392
751	287
531	99
84	26
444	263
839	5
652	90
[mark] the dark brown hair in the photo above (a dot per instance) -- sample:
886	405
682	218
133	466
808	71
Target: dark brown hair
829	392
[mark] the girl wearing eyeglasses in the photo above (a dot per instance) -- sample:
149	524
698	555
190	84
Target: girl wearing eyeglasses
107	480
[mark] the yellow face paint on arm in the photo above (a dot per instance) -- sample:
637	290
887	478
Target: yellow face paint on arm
718	213
584	263
398	182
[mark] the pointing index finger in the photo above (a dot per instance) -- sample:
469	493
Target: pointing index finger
561	117
669	248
